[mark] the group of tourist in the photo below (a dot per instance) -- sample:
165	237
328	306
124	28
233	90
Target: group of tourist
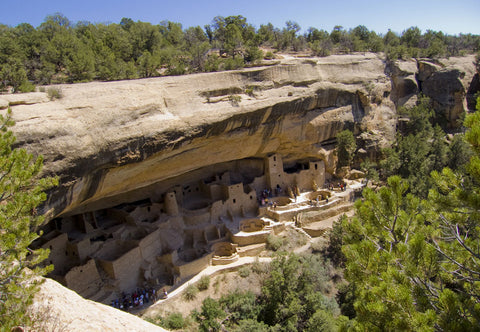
331	185
138	298
267	193
265	197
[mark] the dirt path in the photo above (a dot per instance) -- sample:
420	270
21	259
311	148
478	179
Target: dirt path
211	271
224	278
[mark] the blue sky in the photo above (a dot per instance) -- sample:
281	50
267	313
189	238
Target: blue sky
449	16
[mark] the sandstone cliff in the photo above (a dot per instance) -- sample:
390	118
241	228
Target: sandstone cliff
110	142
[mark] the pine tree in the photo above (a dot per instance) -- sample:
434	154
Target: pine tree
21	191
414	264
385	257
454	214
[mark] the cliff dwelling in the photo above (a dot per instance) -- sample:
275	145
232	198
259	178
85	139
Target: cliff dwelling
162	177
164	239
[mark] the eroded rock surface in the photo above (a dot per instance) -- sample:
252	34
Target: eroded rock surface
108	139
58	309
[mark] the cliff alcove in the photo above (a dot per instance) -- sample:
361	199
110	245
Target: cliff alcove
158	176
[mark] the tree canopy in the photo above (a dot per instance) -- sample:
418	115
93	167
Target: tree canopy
61	51
293	298
414	263
21	191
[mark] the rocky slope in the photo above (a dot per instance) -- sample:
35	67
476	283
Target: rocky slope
110	142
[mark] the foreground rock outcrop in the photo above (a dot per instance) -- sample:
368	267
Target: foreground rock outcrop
56	308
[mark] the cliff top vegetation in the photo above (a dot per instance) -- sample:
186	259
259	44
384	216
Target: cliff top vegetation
60	51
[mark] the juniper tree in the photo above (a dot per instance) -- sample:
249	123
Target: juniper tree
21	191
346	147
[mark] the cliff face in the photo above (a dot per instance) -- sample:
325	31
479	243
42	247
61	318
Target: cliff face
110	142
450	83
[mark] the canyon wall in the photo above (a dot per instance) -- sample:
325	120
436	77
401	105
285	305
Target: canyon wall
124	141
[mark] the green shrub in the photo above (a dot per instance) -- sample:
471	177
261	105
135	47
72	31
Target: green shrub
235	99
173	321
346	147
244	271
240	305
54	93
253	54
203	283
274	242
251	325
258	267
231	64
26	86
321	320
176	68
152	320
336	241
269	56
211	315
212	63
190	293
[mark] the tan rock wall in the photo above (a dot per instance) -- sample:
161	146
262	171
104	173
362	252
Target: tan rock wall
109	142
125	270
251	225
252	238
83	249
58	253
150	246
186	270
66	310
84	279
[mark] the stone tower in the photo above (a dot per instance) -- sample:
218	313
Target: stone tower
171	205
274	171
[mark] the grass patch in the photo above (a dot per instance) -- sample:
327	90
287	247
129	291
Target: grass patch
173	321
244	271
274	242
216	285
203	283
26	87
319	245
190	293
234	99
54	93
269	56
258	267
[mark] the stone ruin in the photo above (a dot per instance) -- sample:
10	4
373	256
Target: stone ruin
164	240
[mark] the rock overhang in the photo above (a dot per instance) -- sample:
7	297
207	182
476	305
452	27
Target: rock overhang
106	139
